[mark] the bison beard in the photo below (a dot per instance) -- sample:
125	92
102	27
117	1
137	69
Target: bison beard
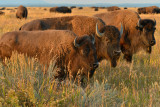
71	52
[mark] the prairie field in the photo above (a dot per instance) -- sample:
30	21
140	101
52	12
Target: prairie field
23	83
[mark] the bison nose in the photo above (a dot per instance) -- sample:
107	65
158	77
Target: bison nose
153	42
117	52
95	65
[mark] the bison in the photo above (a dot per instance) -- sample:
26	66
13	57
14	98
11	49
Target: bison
107	37
141	10
3	8
156	10
138	33
113	8
53	9
2	13
21	12
71	52
61	9
147	10
96	9
72	7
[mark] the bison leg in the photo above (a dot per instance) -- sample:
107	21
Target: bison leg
128	58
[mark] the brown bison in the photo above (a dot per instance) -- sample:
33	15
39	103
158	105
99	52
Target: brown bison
138	33
147	10
53	9
113	8
107	37
2	13
80	8
61	9
156	10
71	52
96	9
3	8
141	10
21	12
72	7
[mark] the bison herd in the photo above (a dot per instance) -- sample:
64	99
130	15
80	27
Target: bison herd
80	42
147	10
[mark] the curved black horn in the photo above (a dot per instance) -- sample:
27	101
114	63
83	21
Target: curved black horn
139	24
99	34
75	43
121	31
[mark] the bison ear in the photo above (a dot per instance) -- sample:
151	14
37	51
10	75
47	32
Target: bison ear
75	43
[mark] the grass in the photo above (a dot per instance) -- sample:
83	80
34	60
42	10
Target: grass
23	82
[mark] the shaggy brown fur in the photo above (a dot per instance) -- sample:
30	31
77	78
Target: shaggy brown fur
147	10
21	12
106	45
134	38
45	45
61	9
113	8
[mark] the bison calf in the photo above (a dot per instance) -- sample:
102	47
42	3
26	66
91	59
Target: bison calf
71	52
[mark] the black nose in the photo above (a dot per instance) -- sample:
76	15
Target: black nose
95	65
153	42
117	52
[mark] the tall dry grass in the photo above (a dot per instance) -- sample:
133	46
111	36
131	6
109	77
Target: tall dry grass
23	83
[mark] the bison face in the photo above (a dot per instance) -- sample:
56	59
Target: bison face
147	29
113	51
110	43
86	57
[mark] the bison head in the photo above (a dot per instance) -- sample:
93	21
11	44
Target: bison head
147	28
110	43
85	56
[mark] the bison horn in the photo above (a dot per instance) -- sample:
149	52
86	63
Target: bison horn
154	22
93	39
75	43
121	31
139	25
99	34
